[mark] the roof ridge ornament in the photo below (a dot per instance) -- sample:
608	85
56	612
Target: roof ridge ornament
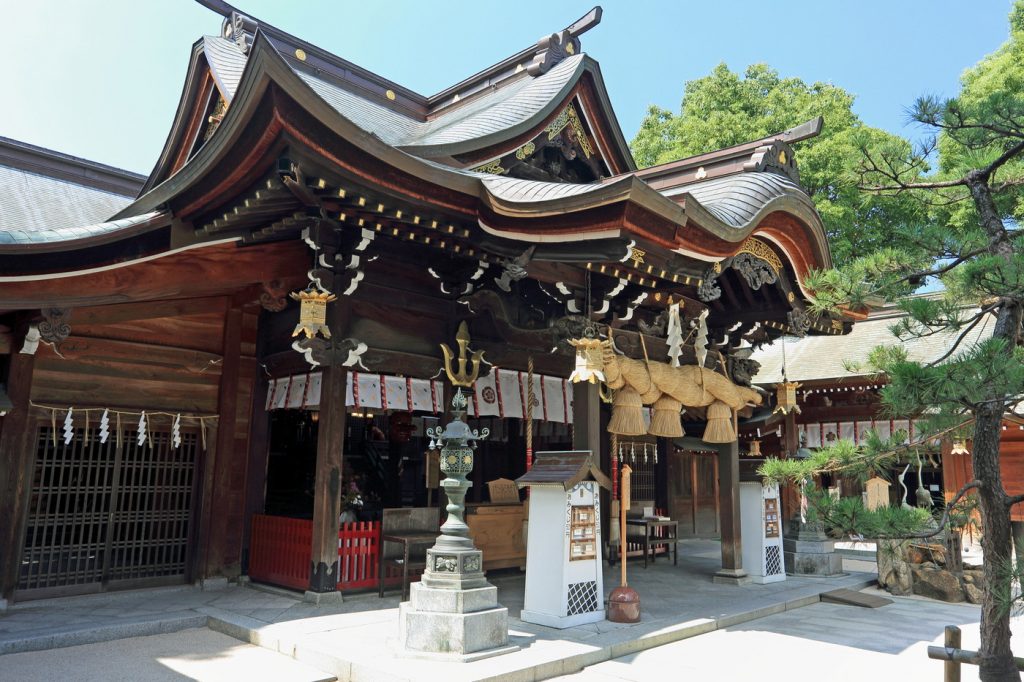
239	28
554	48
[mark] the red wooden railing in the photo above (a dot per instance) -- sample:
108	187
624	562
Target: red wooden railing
358	547
281	550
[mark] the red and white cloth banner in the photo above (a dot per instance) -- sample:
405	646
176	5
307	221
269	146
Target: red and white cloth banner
512	392
502	393
817	433
423	396
363	389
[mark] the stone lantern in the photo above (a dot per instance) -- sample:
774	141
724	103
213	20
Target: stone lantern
453	612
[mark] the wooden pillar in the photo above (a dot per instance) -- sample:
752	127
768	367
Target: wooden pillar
216	502
330	448
586	418
729	515
330	445
17	457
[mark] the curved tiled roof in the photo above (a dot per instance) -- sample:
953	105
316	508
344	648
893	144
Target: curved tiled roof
495	112
529	191
738	199
72	231
38	208
226	64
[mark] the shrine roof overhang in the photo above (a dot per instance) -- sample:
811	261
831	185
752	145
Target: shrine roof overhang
701	222
476	119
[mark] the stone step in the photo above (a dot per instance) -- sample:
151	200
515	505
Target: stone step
851	598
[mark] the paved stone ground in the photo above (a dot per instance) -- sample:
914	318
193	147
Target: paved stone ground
818	642
354	640
196	654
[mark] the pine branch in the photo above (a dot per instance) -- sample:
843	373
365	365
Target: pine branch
959	339
935	272
987	171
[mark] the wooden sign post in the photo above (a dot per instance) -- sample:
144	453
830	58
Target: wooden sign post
624	602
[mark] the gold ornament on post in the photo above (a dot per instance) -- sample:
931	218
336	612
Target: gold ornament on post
785	397
959	448
463	376
589	361
312	312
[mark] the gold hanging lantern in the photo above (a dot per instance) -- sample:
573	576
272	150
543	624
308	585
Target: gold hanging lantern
785	398
589	361
312	312
755	448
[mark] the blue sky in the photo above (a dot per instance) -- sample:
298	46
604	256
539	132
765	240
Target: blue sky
101	80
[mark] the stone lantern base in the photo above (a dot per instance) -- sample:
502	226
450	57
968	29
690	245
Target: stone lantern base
453	612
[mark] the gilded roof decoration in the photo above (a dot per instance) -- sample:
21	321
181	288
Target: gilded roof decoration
570	119
756	247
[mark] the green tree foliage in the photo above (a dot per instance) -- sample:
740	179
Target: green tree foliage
974	201
725	109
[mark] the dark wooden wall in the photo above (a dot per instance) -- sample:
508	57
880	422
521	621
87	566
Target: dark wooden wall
190	356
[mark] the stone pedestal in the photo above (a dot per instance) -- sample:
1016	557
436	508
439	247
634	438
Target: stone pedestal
453	612
455	625
808	551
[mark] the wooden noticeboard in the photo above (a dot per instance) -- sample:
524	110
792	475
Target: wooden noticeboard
433	469
503	491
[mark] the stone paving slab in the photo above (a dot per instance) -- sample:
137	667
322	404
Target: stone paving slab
198	655
354	640
834	642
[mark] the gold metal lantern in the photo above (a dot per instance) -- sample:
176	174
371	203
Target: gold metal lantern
589	363
785	397
312	312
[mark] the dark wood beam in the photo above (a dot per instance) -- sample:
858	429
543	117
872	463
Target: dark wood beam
130	312
219	268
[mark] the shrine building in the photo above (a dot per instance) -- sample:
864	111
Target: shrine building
169	416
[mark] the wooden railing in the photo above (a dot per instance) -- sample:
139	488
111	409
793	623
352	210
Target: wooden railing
358	554
954	656
281	551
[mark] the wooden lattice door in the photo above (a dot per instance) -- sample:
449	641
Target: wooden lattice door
111	514
693	493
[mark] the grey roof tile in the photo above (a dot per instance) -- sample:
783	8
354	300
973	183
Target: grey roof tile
736	199
33	205
226	63
491	113
825	357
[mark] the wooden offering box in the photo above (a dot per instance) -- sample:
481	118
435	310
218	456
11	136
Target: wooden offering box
497	528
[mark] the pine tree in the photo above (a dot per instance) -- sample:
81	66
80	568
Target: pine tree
971	243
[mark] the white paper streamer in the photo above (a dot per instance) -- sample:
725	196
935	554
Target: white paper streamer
104	426
142	429
176	432
69	427
675	334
